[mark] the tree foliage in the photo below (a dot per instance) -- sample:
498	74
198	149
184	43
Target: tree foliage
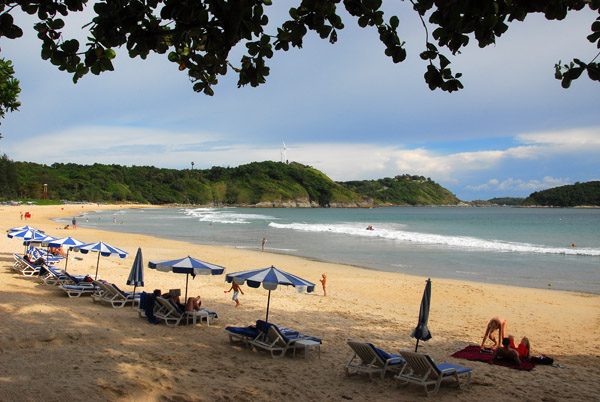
403	190
578	194
259	183
198	35
9	88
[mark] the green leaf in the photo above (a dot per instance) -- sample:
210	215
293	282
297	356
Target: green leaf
394	22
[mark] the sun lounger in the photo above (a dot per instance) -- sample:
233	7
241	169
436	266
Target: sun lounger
24	267
49	258
420	369
82	289
110	293
53	276
278	340
371	360
242	334
120	298
173	316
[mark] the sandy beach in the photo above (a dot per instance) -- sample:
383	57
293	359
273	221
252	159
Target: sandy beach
55	348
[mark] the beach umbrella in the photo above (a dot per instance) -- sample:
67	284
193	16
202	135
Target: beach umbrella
38	237
65	242
25	234
136	275
188	266
270	278
103	249
26	227
421	332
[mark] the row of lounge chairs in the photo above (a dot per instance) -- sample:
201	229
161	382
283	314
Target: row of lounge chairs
409	367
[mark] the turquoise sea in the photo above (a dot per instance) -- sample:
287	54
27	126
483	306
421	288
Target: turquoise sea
531	247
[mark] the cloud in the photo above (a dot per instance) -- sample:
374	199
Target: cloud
341	161
520	185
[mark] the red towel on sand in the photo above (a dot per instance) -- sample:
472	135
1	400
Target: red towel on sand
471	352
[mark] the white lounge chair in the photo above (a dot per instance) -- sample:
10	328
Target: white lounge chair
170	314
420	369
82	289
277	341
110	293
371	360
24	267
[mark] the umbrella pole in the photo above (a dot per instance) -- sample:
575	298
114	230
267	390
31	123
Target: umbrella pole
97	263
268	302
187	278
67	258
417	346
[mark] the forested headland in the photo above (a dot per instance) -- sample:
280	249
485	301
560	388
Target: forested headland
264	184
573	195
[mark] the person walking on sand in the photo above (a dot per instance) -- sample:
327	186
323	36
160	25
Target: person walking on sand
236	290
21	215
263	243
323	281
495	324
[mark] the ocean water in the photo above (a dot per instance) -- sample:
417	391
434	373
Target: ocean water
514	246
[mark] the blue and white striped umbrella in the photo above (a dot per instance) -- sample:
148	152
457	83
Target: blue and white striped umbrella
25	234
26	227
270	278
66	242
103	249
39	237
188	266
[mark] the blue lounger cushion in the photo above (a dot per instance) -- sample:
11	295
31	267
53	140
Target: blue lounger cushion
249	332
386	356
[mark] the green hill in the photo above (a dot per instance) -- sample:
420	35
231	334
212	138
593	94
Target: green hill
403	190
578	194
264	184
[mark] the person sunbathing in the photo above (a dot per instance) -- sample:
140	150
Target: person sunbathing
193	304
508	352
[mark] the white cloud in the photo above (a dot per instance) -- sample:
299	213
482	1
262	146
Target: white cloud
521	185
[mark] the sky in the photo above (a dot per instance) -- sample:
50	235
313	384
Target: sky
345	109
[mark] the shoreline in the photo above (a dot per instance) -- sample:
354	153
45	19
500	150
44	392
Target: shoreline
93	352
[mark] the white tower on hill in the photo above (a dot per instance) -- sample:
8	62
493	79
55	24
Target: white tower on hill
284	154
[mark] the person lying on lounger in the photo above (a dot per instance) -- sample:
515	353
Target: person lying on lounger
193	304
175	298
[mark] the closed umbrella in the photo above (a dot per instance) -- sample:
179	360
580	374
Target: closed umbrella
65	242
136	275
103	249
188	266
421	332
270	278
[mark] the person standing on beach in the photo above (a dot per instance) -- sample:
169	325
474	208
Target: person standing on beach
74	222
263	243
495	324
21	215
324	283
236	290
